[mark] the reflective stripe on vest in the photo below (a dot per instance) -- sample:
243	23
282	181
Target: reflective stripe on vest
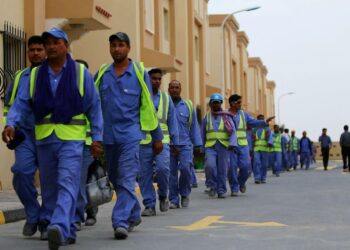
241	131
148	116
76	129
220	135
277	140
162	114
13	94
190	109
294	143
260	144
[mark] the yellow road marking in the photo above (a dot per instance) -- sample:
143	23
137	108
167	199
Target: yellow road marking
2	218
206	222
328	168
137	191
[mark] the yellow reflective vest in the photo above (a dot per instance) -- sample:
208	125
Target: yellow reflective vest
260	143
212	136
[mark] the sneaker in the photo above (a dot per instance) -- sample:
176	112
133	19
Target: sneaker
174	206
185	201
149	211
212	193
163	205
221	196
54	238
90	221
29	229
134	224
243	189
234	194
120	233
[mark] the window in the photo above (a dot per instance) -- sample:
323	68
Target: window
166	24
149	15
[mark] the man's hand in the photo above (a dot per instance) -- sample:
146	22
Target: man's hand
175	150
8	134
96	149
270	119
157	147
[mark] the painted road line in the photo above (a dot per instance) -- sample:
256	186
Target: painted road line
206	223
2	218
137	191
328	168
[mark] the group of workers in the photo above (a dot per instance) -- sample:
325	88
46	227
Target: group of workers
59	119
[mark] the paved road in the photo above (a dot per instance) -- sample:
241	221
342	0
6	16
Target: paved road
299	210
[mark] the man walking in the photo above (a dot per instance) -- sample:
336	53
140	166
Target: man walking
128	110
294	149
345	148
25	164
189	138
326	144
305	151
62	96
168	122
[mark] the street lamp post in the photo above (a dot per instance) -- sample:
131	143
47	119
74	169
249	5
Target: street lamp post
278	105
223	44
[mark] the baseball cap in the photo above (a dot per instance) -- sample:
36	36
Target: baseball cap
55	32
121	36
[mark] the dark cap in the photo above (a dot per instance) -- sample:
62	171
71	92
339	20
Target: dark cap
121	36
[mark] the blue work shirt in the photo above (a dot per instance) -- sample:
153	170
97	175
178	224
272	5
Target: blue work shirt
325	141
91	106
250	121
171	121
28	122
189	134
216	119
121	100
305	145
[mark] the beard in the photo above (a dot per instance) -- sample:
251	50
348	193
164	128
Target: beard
119	58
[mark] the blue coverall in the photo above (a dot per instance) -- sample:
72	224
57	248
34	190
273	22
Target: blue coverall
161	161
26	163
241	159
60	161
217	157
305	152
189	136
276	156
121	100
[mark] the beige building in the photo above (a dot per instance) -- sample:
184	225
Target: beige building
176	36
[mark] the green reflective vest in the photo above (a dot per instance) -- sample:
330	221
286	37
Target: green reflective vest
294	143
241	131
190	109
162	114
277	142
148	116
76	129
220	135
13	93
260	143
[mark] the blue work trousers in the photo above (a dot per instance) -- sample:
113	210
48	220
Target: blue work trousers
305	159
276	159
60	164
180	185
286	160
23	171
260	165
239	161
294	158
193	175
122	161
216	164
82	198
161	162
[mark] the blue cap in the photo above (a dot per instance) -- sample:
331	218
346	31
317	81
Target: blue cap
55	32
216	97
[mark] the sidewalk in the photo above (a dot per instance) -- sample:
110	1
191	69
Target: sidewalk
11	209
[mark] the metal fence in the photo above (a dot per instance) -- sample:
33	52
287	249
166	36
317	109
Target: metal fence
14	50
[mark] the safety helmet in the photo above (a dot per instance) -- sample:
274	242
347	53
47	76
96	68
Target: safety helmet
216	97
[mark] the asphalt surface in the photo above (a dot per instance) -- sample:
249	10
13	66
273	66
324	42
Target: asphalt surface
299	210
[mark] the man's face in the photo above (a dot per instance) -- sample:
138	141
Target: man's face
293	133
261	117
36	54
156	80
215	106
119	50
324	131
174	89
237	105
55	47
276	129
304	134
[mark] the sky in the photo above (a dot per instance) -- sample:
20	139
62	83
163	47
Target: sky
305	45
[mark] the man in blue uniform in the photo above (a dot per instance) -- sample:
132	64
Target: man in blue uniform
294	149
62	96
219	136
168	122
127	109
25	164
326	145
181	159
241	160
305	151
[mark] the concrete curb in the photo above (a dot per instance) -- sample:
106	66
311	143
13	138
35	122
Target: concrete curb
12	215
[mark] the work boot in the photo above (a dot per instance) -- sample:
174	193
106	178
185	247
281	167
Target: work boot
243	189
295	167
221	196
43	229
77	226
90	221
134	224
212	193
120	233
54	238
163	204
234	194
185	201
174	206
29	229
149	211
325	168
